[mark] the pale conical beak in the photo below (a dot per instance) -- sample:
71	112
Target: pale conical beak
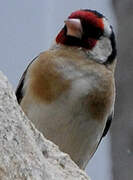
74	27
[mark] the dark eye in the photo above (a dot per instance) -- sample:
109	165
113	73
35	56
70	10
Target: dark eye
98	33
89	30
93	32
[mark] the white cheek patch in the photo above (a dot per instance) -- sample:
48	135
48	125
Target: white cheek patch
101	51
107	28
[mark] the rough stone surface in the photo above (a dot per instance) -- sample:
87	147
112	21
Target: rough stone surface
24	153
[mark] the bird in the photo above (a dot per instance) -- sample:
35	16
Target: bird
68	91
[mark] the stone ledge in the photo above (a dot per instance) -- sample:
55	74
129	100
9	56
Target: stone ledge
24	153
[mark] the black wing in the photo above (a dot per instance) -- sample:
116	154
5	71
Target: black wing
19	93
19	90
108	124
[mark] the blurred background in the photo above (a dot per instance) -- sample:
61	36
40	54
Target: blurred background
29	27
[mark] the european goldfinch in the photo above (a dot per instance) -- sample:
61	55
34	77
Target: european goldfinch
68	91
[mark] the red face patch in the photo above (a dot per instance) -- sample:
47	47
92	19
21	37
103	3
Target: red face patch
93	27
88	16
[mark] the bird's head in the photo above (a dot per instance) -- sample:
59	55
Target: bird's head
91	31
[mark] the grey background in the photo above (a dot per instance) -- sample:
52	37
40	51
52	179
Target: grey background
29	27
122	127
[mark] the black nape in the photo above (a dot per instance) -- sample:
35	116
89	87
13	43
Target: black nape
112	56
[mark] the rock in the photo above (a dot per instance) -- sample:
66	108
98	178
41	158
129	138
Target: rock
24	153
